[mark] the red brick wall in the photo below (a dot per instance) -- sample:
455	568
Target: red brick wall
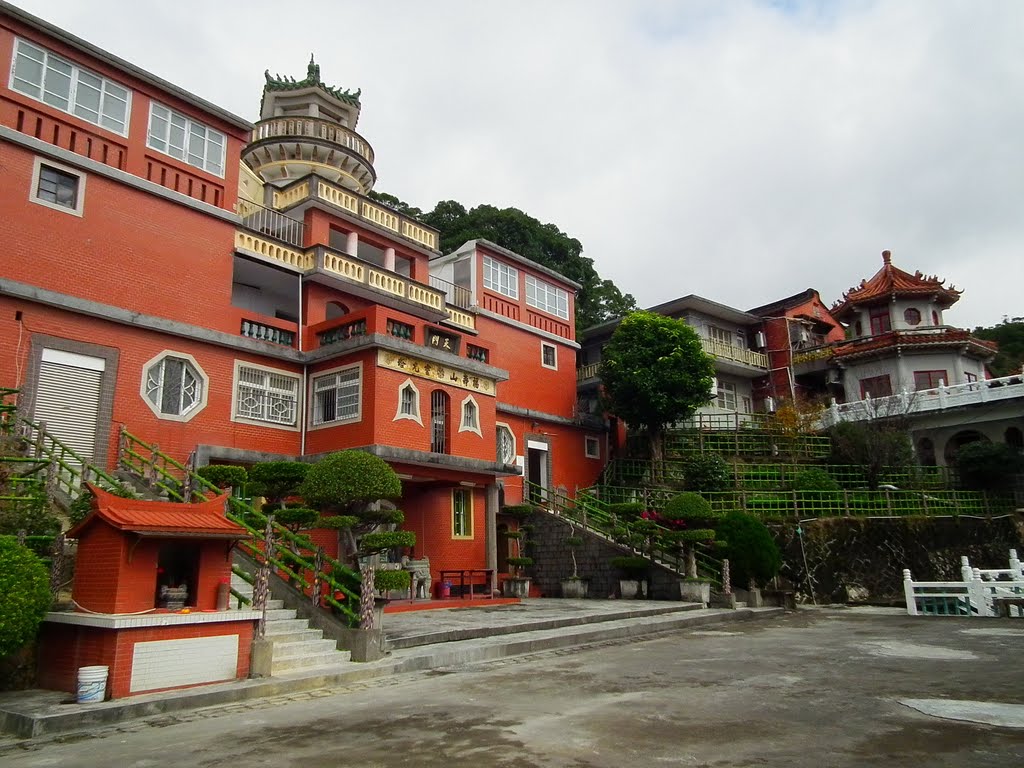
101	557
428	514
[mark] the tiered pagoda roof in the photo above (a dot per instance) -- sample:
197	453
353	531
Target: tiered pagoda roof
312	80
892	282
204	519
936	338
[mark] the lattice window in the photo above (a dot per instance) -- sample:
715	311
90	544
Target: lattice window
501	278
181	137
264	395
462	513
547	297
336	396
174	386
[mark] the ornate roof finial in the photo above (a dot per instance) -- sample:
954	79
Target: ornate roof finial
887	257
313	71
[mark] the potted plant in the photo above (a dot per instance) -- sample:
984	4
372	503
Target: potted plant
388	580
633	580
574	586
690	515
518	584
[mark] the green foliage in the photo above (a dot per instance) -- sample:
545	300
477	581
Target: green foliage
627	510
872	446
690	508
706	473
596	301
392	580
814	479
574	541
518	511
82	506
296	519
1010	337
750	548
380	541
224	475
337	522
632	566
277	480
24	595
985	466
349	478
655	372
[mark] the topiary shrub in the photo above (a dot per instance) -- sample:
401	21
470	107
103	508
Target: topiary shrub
392	580
277	480
706	472
224	476
814	479
752	552
628	510
297	519
24	595
631	566
518	511
692	515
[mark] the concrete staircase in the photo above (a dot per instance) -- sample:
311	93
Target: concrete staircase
298	649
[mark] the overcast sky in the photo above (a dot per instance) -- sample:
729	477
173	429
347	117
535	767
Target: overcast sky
742	151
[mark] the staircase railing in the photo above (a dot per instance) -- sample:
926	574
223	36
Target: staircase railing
650	540
297	557
68	471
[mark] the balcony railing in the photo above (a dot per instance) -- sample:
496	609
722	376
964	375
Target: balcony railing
723	351
455	295
271	223
313	128
590	371
354	270
926	400
342	332
253	329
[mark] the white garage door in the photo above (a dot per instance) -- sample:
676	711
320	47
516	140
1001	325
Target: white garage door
68	399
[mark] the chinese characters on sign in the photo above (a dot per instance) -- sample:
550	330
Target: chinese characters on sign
439	373
443	341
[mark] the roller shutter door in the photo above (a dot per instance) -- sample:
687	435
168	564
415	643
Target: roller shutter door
68	399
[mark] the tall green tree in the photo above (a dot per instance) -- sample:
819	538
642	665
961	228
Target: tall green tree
1010	337
655	372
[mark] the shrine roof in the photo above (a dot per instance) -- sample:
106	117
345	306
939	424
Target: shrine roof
892	281
312	80
205	519
937	337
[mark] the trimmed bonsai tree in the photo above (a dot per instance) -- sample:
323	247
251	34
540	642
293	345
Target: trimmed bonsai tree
224	476
390	580
24	595
692	518
277	480
351	490
754	557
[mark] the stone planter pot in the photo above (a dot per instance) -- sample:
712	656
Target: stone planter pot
631	589
695	591
516	587
575	588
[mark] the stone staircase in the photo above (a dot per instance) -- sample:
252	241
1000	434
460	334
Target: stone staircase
298	649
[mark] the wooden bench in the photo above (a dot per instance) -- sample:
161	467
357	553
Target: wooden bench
469	577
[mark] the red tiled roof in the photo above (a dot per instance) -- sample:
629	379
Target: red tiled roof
893	281
204	519
896	339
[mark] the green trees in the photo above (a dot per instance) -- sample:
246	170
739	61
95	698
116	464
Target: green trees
349	487
1010	337
655	372
753	554
873	446
24	595
985	466
692	514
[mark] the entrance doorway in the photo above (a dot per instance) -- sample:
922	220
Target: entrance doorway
538	471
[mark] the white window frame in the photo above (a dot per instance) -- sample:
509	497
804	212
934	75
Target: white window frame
161	141
547	297
467	512
471	409
146	388
414	413
33	193
554	354
726	394
267	388
721	335
314	423
499	428
77	81
591	447
501	278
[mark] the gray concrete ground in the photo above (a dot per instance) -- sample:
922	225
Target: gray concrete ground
825	687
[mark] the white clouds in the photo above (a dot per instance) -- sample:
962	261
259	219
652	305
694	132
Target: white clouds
741	151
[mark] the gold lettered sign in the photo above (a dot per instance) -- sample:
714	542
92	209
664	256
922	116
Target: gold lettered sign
442	374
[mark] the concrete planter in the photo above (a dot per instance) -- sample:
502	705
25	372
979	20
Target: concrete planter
516	587
631	589
695	591
575	588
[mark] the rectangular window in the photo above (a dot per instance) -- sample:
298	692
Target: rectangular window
880	320
181	137
263	395
462	514
548	356
57	187
501	278
63	85
929	379
592	447
720	335
876	386
336	396
547	298
727	395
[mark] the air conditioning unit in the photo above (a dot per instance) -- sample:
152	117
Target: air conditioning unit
759	340
834	377
769	405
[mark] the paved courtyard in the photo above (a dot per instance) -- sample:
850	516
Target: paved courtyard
818	688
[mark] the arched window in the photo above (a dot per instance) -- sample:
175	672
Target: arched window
408	403
439	421
470	421
336	309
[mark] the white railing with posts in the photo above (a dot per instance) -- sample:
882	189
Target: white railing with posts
926	400
455	295
724	351
981	592
314	128
272	223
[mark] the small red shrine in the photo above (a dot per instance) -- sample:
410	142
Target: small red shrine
145	599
